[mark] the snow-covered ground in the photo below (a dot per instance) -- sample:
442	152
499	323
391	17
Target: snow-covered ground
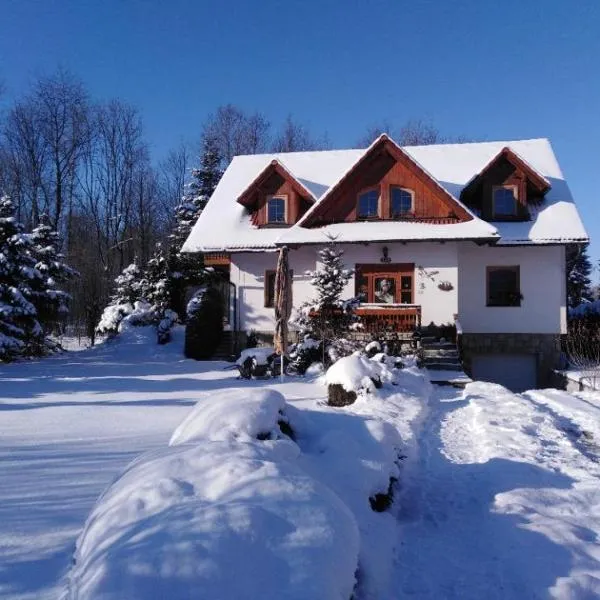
504	499
499	493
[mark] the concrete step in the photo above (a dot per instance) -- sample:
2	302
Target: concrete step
440	352
443	366
438	346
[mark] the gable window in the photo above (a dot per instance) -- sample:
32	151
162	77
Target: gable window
402	202
276	209
505	201
503	286
368	205
270	287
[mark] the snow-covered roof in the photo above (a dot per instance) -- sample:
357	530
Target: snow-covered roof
225	225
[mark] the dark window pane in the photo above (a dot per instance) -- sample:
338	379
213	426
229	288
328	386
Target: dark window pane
505	202
368	205
270	289
276	210
503	287
406	298
401	202
406	282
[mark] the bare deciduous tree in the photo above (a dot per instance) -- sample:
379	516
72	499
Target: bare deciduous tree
414	132
173	174
295	137
236	132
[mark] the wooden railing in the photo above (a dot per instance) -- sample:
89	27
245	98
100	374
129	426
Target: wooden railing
389	318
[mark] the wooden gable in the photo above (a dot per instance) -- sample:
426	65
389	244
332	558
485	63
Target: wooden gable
505	169
383	166
276	180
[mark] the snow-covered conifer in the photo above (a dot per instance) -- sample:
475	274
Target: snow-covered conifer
331	279
198	191
52	303
579	269
20	331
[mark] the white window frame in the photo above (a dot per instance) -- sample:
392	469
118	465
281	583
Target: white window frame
285	209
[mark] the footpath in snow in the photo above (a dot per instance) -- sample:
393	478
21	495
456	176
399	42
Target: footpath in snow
503	499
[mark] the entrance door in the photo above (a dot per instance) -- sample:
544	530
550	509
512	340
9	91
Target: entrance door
385	284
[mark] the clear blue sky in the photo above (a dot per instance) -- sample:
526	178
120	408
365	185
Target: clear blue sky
486	69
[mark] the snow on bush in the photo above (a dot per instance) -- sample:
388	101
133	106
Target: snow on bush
356	373
233	415
217	520
585	309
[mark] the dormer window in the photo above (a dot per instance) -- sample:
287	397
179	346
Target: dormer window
505	201
368	205
276	207
402	202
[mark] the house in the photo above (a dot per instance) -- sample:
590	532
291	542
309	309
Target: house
473	232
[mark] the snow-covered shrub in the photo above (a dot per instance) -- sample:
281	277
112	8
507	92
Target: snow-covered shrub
305	353
233	415
204	328
111	318
355	373
358	374
221	512
373	348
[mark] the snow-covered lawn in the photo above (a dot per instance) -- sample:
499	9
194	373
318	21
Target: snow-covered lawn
499	493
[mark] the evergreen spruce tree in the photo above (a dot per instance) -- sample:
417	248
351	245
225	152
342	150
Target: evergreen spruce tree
186	269
579	269
198	191
158	281
52	303
130	286
20	331
327	320
331	279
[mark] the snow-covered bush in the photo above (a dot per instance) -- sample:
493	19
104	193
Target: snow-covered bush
305	353
358	374
204	327
233	415
139	299
220	513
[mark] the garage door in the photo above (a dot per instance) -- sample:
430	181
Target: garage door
517	372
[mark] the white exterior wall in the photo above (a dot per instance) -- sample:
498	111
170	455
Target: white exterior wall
434	263
248	274
543	286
